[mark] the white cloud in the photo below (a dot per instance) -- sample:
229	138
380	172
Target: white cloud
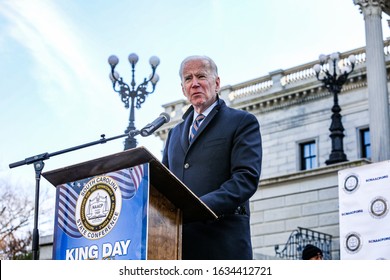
55	45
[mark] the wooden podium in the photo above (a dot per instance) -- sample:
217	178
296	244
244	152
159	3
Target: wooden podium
170	201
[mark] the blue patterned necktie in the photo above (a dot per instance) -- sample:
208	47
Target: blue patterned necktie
195	126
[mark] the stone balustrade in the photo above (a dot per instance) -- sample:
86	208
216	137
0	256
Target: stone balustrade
289	77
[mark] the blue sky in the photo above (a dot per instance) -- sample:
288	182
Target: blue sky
54	85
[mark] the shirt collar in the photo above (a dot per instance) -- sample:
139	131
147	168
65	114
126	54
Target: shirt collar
207	111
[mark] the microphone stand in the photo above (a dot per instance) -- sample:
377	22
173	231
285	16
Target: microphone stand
37	160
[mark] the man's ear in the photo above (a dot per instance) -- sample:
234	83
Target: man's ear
217	84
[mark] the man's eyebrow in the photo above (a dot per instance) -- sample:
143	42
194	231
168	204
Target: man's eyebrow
201	73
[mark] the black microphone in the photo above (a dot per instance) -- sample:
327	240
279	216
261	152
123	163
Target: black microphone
157	123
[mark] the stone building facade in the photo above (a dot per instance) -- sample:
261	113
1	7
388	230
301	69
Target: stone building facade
294	110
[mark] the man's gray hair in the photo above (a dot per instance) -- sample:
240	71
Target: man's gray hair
213	66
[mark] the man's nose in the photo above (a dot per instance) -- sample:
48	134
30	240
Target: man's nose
195	82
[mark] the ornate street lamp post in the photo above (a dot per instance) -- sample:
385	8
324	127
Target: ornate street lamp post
131	95
334	78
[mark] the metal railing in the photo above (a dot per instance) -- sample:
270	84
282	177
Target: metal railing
299	238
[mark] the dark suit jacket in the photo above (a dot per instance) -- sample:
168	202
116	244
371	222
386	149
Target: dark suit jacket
222	167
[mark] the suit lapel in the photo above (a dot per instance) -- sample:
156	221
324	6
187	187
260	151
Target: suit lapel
204	124
188	117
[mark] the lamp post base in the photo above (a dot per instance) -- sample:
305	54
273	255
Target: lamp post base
336	157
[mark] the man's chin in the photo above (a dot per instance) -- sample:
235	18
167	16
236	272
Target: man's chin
198	101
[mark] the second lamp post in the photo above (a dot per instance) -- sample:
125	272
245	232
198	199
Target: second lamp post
334	78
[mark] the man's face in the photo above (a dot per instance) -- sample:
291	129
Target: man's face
199	84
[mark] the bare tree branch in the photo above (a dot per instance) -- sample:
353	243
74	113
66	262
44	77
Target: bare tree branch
15	217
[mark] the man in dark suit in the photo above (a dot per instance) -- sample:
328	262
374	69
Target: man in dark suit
219	160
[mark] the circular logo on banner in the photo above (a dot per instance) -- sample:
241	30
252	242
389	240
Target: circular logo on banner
353	243
379	207
98	207
351	183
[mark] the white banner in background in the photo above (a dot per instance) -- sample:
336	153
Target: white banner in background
364	197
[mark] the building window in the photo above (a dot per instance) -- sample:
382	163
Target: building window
308	155
365	143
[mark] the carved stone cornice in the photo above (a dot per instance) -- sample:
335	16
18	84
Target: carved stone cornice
371	7
298	97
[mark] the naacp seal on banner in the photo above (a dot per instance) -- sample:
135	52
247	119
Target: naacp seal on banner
351	183
379	207
98	207
353	243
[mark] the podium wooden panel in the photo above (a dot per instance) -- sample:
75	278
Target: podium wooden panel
170	201
164	232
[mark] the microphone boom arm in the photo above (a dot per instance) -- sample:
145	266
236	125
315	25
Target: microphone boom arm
37	160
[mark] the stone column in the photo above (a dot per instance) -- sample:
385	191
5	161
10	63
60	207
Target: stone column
378	99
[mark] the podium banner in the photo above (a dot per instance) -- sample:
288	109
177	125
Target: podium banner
364	195
103	217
